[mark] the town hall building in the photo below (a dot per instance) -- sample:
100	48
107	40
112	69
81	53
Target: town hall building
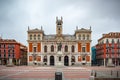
59	49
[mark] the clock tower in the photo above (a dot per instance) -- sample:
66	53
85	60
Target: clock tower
59	23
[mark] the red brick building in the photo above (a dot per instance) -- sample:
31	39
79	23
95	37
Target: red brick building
9	49
108	49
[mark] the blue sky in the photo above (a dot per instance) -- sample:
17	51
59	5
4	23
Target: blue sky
16	15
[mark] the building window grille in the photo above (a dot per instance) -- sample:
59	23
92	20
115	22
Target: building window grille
87	37
34	37
83	49
34	49
83	37
38	37
52	48
45	48
73	48
4	45
79	37
66	48
30	37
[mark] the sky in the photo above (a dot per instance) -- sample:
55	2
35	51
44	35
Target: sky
16	15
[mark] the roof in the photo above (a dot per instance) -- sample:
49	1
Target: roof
8	41
110	35
35	30
83	30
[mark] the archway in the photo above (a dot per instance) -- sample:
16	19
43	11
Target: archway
52	60
66	61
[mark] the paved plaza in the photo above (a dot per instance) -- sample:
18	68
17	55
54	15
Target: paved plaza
48	73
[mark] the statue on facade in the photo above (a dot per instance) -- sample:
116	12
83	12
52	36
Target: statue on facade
59	46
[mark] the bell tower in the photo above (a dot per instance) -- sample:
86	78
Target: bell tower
59	23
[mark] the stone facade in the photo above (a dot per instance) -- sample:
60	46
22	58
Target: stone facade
59	49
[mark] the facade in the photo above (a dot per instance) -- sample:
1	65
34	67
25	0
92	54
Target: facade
108	49
9	50
93	55
59	49
23	54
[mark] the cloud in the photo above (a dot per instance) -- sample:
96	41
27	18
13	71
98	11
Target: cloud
17	15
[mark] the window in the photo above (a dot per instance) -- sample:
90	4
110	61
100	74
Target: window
8	55
38	37
83	49
30	37
83	37
73	48
13	51
34	37
66	48
4	45
52	48
83	58
87	37
34	48
13	55
45	48
60	58
4	51
107	41
4	55
79	37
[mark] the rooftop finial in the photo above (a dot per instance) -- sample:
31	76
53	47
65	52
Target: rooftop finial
28	28
90	27
56	18
76	27
61	18
41	28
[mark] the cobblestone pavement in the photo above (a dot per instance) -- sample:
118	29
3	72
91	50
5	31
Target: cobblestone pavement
48	73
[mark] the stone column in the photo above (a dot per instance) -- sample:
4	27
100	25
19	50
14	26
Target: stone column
69	60
104	62
48	60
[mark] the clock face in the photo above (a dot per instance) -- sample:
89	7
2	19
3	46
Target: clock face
59	29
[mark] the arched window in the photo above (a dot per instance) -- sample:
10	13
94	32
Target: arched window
73	48
79	37
45	48
66	48
34	37
30	37
38	37
87	37
83	37
107	41
52	48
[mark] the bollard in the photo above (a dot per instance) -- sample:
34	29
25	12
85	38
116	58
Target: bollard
58	75
117	74
95	74
92	73
111	72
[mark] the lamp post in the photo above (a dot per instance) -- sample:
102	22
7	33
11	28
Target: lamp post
34	58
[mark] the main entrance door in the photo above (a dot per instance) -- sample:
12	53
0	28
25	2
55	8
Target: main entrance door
66	61
52	60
